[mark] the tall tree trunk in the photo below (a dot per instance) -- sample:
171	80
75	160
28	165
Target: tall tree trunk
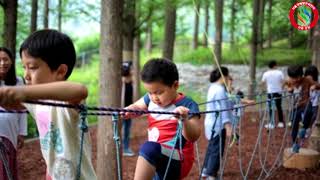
196	25
310	34
59	15
206	23
34	16
170	29
136	67
46	14
219	28
148	45
291	31
110	84
269	24
128	29
290	36
261	23
10	24
232	24
254	45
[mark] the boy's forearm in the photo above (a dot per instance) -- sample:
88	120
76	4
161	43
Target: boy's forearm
191	129
62	91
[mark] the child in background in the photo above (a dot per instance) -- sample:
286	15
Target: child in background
221	126
126	100
12	126
312	73
161	80
302	86
48	58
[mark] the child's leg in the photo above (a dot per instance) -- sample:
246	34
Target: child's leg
307	116
295	123
126	133
153	161
144	170
213	163
314	115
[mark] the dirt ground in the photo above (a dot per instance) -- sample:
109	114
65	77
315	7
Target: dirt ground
32	166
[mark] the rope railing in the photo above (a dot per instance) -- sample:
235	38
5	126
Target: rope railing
116	114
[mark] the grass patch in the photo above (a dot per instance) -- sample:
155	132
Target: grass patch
241	55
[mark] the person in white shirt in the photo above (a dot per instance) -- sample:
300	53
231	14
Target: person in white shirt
274	78
13	126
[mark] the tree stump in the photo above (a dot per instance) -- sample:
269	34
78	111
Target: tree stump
306	158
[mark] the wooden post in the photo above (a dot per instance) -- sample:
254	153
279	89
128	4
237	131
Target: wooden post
110	84
306	158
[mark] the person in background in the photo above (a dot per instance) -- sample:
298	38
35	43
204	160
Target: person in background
216	129
274	78
13	127
126	100
312	73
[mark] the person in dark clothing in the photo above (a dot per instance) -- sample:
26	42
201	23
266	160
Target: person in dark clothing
126	99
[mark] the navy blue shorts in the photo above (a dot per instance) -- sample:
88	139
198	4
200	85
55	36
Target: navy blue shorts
158	156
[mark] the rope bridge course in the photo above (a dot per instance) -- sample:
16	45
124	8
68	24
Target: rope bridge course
236	122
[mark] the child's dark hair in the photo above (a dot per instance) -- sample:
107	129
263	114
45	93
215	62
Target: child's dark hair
11	77
160	70
312	71
126	68
216	75
240	94
53	47
295	71
272	64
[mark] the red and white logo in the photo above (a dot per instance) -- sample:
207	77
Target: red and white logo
303	16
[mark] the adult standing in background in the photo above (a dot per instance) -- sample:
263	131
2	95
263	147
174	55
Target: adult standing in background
126	99
274	78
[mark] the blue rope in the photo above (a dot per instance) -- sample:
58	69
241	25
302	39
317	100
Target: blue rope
84	128
116	138
178	136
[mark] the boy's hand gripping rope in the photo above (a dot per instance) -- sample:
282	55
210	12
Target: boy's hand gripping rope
84	128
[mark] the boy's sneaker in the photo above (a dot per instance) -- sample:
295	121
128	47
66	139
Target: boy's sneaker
280	125
128	152
269	126
203	174
289	124
211	178
295	148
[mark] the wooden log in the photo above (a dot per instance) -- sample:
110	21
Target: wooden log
306	158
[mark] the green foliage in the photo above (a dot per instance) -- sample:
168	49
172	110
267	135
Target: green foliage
241	54
87	43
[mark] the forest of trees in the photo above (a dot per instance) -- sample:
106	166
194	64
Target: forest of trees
128	27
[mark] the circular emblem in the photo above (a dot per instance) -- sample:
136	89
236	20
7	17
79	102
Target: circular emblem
303	16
